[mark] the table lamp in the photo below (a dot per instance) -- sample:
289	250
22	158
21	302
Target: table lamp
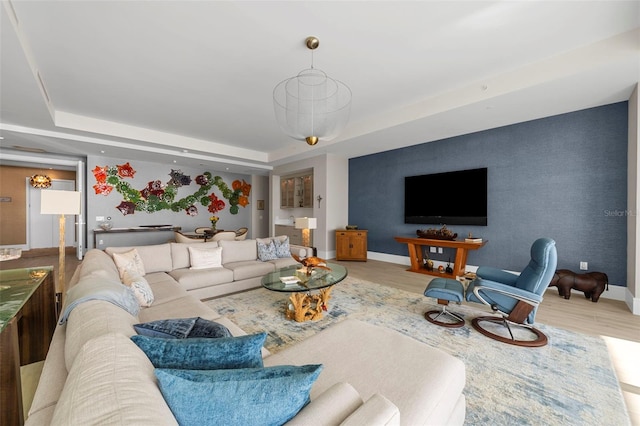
306	223
61	203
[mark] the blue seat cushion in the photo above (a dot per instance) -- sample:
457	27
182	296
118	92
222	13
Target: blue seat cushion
445	289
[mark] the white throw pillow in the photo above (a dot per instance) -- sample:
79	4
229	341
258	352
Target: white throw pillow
203	258
140	287
130	261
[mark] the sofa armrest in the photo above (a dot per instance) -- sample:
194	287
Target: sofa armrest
301	251
378	410
331	407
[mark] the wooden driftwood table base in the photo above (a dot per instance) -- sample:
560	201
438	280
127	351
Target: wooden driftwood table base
308	307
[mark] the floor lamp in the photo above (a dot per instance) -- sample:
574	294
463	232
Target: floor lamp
61	203
306	223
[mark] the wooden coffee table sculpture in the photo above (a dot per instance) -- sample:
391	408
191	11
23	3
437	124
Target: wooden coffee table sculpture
303	305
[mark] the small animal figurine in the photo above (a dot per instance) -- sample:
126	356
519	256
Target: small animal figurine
591	283
312	262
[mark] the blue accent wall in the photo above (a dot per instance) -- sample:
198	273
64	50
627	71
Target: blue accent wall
562	177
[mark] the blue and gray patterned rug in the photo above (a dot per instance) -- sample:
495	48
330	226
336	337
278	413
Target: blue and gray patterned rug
571	381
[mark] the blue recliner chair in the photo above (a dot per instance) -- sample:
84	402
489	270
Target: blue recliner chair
514	297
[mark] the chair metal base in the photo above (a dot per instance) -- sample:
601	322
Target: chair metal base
540	339
459	321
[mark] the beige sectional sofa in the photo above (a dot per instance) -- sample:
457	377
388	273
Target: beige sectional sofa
94	374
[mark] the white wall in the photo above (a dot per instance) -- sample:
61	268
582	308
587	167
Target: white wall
633	206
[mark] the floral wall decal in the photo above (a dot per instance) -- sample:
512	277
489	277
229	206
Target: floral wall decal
156	196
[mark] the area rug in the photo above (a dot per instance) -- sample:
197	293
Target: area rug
571	381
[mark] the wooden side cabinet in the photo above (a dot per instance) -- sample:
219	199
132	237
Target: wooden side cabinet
351	245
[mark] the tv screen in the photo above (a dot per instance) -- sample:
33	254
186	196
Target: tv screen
450	198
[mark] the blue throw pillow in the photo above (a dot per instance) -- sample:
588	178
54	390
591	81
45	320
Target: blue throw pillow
282	248
182	328
266	251
203	353
247	396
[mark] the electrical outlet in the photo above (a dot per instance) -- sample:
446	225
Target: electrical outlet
440	250
99	218
584	266
100	242
432	249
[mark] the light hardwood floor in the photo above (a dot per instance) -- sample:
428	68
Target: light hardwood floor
608	318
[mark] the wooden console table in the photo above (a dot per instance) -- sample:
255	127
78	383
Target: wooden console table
27	321
417	258
133	229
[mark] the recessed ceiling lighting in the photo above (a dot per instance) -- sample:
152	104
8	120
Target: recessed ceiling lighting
102	151
185	150
174	161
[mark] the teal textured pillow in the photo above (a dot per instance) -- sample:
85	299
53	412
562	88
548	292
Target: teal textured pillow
282	248
203	353
247	396
266	251
182	328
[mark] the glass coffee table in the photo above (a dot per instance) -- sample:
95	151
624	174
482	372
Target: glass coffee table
304	305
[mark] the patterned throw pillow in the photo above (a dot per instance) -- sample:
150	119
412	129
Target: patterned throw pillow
140	287
182	328
282	248
267	251
129	260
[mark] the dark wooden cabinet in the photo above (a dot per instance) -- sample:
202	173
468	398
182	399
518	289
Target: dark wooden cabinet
351	245
28	319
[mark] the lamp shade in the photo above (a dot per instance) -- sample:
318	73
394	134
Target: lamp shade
59	202
306	223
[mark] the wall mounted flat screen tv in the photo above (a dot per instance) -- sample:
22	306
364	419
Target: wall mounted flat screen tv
450	198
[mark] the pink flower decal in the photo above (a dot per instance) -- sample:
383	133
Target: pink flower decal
125	170
102	188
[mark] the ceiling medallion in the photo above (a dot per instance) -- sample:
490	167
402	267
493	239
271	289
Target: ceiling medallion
40	181
311	105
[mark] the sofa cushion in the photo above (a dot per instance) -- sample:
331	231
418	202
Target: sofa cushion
247	396
191	279
139	286
155	258
164	287
129	261
96	287
177	308
182	328
238	251
111	381
205	258
180	253
94	319
266	251
249	269
203	353
284	262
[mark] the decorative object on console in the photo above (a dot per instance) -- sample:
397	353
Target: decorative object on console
306	223
437	234
60	203
214	220
40	181
312	106
591	283
311	262
351	227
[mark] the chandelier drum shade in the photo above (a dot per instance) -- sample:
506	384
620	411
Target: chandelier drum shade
311	105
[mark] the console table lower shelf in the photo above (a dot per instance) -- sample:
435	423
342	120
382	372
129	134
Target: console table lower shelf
417	259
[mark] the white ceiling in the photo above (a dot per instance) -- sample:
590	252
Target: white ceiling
192	81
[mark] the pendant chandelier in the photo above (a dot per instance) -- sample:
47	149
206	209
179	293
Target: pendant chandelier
311	105
40	181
